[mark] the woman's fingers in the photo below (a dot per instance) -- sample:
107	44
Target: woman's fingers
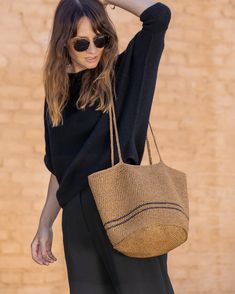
51	255
48	245
41	256
35	251
105	2
45	249
41	247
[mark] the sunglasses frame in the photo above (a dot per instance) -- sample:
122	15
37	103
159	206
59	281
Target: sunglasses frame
75	39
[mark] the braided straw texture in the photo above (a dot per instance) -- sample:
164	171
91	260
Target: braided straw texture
144	208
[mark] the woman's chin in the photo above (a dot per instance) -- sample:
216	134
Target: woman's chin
91	65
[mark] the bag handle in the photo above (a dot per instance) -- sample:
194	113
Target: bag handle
148	146
112	118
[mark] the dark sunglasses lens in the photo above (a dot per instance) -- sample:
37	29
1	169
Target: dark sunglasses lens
81	45
101	42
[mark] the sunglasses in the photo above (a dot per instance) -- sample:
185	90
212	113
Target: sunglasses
83	44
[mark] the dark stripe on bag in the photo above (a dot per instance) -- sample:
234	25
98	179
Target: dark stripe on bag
146	203
158	207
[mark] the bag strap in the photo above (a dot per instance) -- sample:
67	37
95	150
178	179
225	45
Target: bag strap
112	113
148	145
112	118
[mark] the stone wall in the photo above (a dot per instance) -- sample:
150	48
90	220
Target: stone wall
193	117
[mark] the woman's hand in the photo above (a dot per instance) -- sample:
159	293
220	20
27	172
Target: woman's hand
41	246
105	2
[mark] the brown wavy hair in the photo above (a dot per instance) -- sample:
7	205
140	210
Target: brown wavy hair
96	83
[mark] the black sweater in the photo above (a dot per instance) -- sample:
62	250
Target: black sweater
81	145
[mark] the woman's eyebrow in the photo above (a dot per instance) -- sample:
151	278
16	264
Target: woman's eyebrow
86	36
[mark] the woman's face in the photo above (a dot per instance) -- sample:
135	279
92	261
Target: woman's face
80	60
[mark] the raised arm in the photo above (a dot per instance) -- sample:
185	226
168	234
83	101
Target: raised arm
140	60
136	72
134	6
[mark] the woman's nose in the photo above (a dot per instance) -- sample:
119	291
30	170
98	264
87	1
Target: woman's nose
92	48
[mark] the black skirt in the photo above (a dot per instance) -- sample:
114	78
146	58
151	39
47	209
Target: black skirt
94	266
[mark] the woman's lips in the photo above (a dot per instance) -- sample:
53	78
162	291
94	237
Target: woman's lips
93	59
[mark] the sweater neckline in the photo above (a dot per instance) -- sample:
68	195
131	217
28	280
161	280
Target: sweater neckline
79	73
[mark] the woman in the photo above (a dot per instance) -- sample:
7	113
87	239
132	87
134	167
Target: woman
83	71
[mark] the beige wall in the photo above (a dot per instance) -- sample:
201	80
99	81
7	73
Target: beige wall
193	116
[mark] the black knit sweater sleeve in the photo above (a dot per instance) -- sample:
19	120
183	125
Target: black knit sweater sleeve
47	153
138	63
158	16
137	70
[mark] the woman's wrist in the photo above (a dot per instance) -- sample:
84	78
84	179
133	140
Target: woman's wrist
46	223
109	2
47	218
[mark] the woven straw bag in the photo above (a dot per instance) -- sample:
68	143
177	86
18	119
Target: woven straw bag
144	208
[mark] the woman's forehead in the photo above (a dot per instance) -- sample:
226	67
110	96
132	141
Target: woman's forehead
84	25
